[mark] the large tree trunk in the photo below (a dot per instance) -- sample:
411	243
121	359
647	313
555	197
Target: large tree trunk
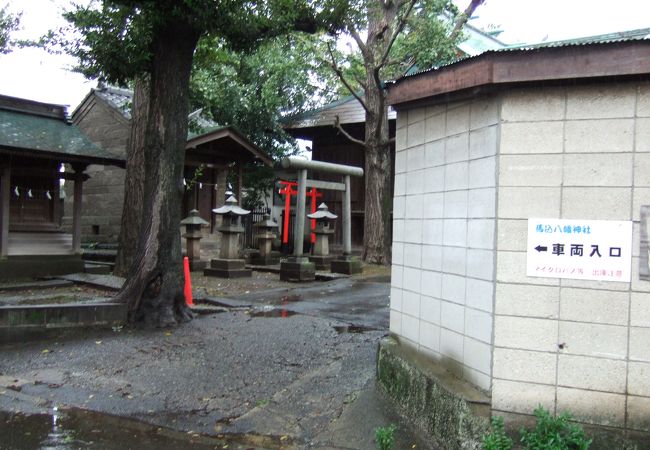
154	288
378	199
133	181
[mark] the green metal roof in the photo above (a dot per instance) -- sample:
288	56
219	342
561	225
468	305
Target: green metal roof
38	134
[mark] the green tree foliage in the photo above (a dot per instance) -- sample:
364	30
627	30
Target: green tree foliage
390	36
254	90
8	24
424	40
427	39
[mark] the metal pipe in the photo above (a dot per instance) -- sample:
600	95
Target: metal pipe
299	228
296	162
347	219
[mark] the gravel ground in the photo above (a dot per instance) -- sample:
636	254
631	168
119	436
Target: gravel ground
254	379
227	373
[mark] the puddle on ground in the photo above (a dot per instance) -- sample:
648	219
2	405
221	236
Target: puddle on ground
286	299
352	329
283	313
291	298
75	429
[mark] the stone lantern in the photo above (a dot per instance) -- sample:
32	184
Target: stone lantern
266	233
321	253
229	264
193	236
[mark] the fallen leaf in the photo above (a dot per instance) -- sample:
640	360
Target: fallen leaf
168	333
284	438
98	342
45	351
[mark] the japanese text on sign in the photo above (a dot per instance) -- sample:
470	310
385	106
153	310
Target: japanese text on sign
580	249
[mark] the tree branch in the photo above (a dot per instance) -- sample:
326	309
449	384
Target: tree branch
345	82
398	29
362	45
337	124
463	18
361	82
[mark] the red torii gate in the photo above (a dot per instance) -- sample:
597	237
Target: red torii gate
288	190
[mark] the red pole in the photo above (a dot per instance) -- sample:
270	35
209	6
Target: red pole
188	282
288	191
313	193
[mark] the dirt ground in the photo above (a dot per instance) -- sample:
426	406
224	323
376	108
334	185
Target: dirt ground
202	286
223	287
237	377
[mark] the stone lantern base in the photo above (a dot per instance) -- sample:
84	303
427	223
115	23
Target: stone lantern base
227	268
348	265
297	269
257	259
322	262
197	264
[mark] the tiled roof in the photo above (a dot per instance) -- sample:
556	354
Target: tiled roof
347	109
122	99
118	98
37	133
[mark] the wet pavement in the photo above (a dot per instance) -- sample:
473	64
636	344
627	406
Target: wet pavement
274	369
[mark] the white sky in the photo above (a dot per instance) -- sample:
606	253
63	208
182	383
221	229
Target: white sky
34	74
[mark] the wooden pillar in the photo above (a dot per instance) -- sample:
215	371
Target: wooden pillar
299	227
5	197
56	201
220	200
76	207
214	179
240	182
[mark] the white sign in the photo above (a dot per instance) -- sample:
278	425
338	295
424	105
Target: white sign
581	249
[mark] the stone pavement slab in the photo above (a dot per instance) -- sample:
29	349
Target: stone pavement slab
96	280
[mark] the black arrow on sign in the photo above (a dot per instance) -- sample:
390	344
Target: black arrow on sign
539	248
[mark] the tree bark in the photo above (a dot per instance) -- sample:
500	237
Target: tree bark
378	196
133	181
154	288
464	17
376	227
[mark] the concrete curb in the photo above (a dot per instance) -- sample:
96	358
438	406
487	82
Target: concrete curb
24	321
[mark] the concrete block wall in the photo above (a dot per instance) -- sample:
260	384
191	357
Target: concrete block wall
444	234
469	175
578	152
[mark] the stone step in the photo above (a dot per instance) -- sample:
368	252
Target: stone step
96	255
98	268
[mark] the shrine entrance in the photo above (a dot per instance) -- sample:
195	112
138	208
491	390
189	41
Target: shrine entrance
298	267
